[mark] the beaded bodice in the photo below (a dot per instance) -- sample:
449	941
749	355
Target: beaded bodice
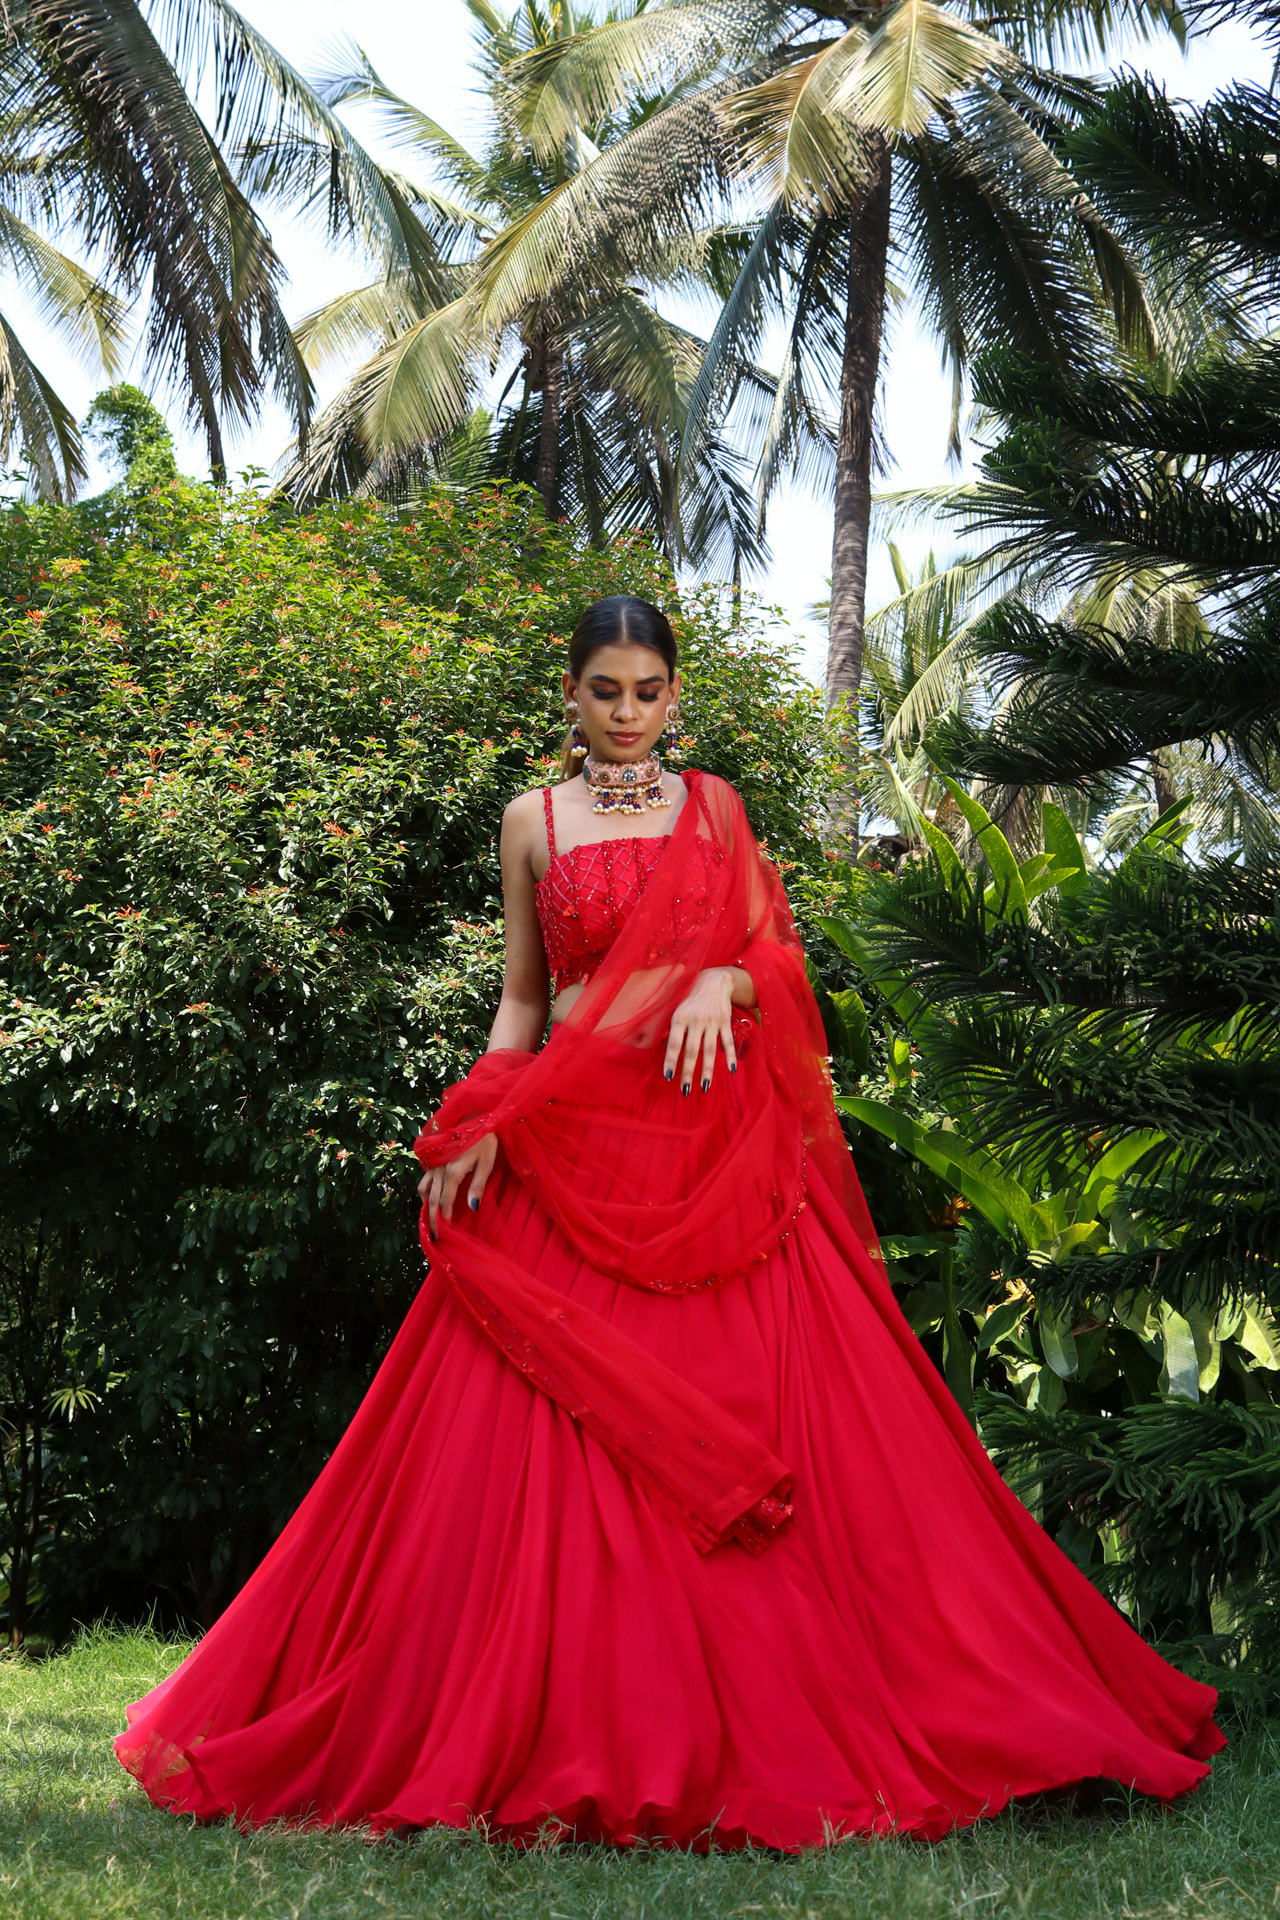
588	893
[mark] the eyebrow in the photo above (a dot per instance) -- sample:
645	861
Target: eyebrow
607	679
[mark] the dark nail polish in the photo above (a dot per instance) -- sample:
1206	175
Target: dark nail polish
705	1085
733	1066
473	1201
685	1088
668	1073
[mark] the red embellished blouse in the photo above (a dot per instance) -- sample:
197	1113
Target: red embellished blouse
588	893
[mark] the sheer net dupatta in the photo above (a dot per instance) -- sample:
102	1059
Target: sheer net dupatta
658	1189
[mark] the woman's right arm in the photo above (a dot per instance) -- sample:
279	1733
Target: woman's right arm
521	1018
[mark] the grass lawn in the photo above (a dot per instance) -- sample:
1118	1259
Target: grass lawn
78	1839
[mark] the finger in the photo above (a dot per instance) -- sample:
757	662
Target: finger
709	1044
423	1185
452	1179
433	1202
688	1065
479	1180
730	1045
675	1041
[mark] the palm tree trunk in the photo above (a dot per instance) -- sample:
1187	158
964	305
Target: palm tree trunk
868	261
1161	779
549	435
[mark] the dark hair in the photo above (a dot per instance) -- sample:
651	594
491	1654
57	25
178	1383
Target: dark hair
621	620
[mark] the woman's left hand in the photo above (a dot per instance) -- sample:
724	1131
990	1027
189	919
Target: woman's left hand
702	1021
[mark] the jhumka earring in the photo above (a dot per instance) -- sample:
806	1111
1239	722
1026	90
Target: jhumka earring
673	733
578	745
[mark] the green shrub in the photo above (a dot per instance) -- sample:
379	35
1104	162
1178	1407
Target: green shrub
1082	1091
252	775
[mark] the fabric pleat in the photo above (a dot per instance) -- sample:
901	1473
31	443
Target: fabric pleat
478	1614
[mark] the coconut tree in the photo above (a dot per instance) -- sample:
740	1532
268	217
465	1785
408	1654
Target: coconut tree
597	381
100	139
849	132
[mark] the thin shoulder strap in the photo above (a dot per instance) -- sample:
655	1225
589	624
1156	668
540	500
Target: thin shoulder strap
551	825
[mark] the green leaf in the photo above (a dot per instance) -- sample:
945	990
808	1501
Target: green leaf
999	1321
1259	1336
1180	1376
1011	895
856	1031
1203	1324
911	1007
1061	841
1041	875
944	853
1059	1343
899	1061
1116	1162
1073	1236
842	935
901	1246
1171	818
978	1176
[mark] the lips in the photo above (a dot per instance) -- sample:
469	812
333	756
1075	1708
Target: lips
625	739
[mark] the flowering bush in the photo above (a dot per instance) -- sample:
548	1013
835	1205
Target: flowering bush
251	781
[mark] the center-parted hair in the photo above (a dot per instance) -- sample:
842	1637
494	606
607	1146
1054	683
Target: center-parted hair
621	621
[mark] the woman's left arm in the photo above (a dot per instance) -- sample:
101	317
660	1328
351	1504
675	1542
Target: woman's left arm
704	1021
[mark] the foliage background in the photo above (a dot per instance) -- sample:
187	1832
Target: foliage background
252	774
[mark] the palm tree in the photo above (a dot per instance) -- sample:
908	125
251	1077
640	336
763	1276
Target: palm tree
863	130
916	666
598	382
100	139
926	677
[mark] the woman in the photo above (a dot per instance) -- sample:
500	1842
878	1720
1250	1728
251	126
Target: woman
656	1522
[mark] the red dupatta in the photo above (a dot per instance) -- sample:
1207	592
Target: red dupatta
654	1188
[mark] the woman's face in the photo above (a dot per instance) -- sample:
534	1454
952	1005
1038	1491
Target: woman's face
622	698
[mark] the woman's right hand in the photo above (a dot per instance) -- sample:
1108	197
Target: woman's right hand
439	1186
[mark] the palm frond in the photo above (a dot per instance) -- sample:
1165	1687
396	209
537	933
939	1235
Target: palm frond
263	100
787	131
44	426
596	229
1088	702
353	322
154	191
420	388
87	314
582	79
350	75
918	56
1200	187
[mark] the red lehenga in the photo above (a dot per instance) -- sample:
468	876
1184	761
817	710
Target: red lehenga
656	1523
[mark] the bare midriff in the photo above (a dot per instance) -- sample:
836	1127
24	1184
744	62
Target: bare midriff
565	1001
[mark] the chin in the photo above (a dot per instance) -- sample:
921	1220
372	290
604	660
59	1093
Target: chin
640	751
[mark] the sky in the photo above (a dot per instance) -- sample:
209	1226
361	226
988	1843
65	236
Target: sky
423	51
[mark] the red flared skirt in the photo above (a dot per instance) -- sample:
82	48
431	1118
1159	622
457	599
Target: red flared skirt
475	1615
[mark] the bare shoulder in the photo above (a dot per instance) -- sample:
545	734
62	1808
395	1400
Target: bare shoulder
523	812
522	828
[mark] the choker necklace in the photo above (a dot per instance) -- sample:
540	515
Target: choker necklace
625	787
